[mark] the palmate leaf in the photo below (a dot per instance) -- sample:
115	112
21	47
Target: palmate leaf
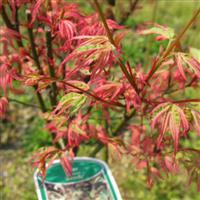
93	50
171	165
94	42
41	158
35	9
193	110
159	111
162	32
57	120
187	63
78	130
66	164
109	90
6	77
3	106
170	117
44	158
70	103
67	29
195	53
76	134
194	106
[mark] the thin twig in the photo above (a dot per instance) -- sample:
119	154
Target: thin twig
6	19
50	65
133	6
9	24
40	100
36	60
23	103
106	152
111	2
176	101
186	101
33	46
17	25
177	90
171	46
110	37
112	103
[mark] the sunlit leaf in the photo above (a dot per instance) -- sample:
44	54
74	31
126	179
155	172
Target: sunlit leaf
70	103
195	53
162	32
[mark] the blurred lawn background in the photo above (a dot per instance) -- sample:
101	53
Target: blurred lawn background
23	133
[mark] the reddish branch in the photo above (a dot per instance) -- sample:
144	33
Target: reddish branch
186	101
110	37
177	101
176	42
112	103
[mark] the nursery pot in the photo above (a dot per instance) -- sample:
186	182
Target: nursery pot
91	180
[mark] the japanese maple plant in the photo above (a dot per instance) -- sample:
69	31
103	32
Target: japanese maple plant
75	65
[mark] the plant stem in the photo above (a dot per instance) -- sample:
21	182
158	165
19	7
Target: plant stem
6	19
121	127
186	101
101	14
178	101
20	44
10	25
17	25
50	65
36	59
172	45
40	100
23	103
110	37
111	2
33	46
133	6
192	81
93	95
106	150
106	154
